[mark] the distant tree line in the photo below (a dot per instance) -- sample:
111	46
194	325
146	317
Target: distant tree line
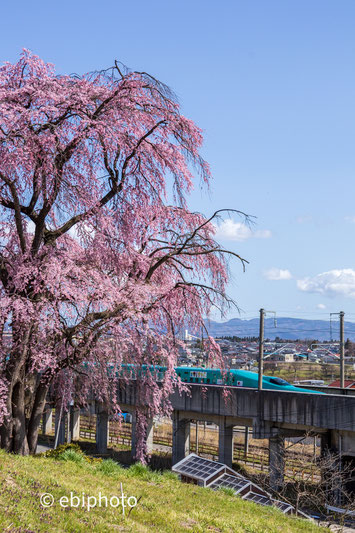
235	338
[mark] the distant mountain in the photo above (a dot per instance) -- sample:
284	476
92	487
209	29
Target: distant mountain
286	328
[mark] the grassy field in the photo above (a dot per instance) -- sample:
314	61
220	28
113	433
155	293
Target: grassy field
292	371
164	503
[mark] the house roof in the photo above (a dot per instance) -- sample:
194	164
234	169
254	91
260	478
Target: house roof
348	383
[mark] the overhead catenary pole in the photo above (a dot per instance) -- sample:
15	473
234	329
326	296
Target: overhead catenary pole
261	349
342	368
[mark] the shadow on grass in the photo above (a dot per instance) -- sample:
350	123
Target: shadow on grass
120	453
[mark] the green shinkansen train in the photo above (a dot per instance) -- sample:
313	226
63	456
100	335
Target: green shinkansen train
214	376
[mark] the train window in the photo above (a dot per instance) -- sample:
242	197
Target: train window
279	381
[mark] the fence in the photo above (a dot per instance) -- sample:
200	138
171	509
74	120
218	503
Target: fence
257	457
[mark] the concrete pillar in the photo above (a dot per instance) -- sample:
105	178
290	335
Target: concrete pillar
61	431
74	424
67	425
47	421
327	466
276	462
348	466
102	430
134	437
335	475
181	437
150	435
225	444
325	444
196	436
246	441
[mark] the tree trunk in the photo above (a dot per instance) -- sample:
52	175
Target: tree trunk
297	503
6	435
13	431
36	415
19	434
13	436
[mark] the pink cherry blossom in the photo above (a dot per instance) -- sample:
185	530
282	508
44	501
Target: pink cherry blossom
101	262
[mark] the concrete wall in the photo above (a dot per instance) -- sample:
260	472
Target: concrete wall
272	414
287	410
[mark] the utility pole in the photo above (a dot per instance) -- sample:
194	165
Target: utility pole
261	349
342	368
341	347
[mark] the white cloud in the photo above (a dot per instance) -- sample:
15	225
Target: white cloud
304	219
262	234
277	274
229	230
350	219
321	306
332	283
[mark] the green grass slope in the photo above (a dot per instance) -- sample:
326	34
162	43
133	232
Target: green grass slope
165	504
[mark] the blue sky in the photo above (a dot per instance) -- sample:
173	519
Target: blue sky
272	84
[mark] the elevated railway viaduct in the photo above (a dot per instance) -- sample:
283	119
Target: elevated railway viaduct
273	415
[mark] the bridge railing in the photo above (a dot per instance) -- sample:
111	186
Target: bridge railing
329	390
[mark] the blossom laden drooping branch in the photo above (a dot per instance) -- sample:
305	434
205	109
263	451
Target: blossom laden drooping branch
97	268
